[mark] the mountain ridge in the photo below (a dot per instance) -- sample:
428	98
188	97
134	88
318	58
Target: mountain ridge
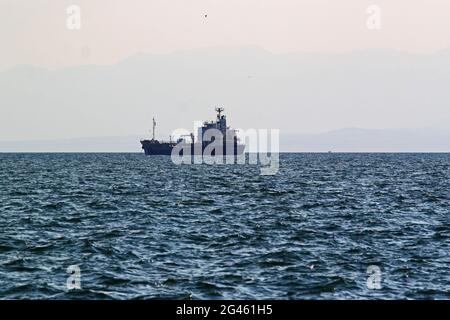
339	140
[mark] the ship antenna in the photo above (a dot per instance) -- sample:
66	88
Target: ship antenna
219	111
154	126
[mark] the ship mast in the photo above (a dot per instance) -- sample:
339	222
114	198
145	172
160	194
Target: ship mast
154	125
219	111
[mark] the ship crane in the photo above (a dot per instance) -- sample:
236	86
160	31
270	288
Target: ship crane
188	135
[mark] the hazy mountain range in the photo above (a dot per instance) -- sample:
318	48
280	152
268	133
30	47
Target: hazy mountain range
310	97
344	140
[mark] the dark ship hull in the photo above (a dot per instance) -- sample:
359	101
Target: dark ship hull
154	147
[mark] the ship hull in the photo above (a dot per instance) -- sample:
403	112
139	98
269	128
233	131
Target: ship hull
151	148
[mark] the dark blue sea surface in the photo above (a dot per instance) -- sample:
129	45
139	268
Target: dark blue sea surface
141	227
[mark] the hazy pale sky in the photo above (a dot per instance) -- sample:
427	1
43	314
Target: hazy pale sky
34	32
304	66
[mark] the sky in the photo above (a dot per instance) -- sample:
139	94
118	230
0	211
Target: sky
304	66
35	32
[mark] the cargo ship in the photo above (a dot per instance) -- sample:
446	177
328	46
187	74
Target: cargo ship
231	144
